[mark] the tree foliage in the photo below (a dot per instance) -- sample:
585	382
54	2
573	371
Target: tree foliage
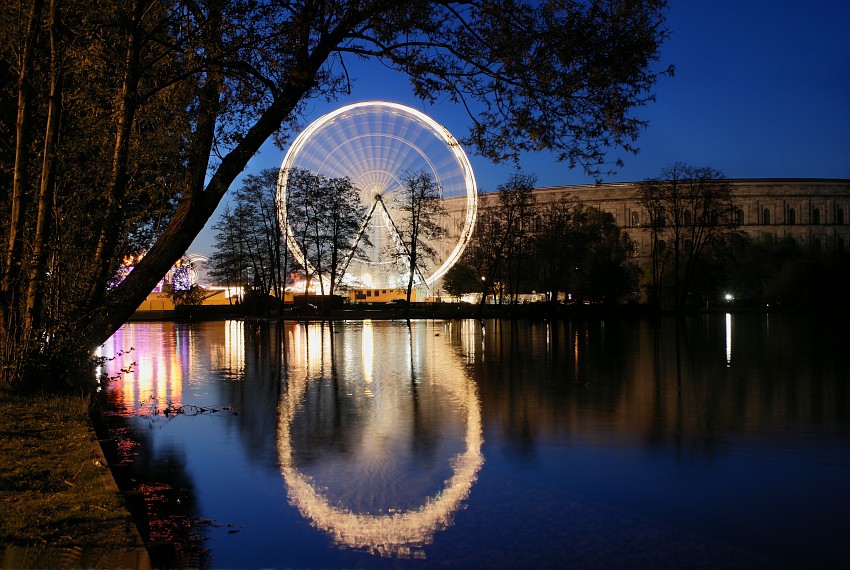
250	248
690	211
555	247
324	218
419	202
229	263
127	122
781	273
180	286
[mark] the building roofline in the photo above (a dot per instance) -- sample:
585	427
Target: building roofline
732	180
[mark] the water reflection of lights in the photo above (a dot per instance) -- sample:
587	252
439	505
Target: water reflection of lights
398	532
728	339
154	370
229	356
368	348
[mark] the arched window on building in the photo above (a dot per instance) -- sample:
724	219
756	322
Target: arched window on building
839	245
765	217
635	219
792	216
688	221
816	216
739	216
839	216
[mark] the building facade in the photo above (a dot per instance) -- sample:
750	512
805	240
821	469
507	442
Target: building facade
814	212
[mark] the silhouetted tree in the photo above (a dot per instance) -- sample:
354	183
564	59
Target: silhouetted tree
303	210
229	264
689	210
518	211
341	225
419	202
324	216
554	252
462	279
267	244
180	286
164	103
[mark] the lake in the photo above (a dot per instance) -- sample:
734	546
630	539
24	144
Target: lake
719	441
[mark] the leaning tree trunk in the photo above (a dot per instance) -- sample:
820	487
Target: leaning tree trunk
109	234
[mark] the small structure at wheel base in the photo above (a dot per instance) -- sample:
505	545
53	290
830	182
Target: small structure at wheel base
379	295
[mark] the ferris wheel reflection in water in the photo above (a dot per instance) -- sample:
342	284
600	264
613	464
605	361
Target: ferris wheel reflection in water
378	495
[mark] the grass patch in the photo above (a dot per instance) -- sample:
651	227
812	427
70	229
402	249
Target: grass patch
56	493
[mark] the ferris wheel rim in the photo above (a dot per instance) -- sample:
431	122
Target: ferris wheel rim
451	143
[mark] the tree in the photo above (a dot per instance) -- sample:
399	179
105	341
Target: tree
229	265
462	279
518	210
180	287
343	217
502	239
689	210
324	217
303	210
262	234
420	204
555	255
603	272
484	253
185	93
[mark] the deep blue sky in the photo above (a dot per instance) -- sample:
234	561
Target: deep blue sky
761	90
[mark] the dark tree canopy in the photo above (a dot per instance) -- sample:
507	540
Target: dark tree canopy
126	123
690	211
420	203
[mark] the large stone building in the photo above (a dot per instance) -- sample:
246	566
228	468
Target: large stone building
813	211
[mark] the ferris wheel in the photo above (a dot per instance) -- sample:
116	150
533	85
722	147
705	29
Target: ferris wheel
376	145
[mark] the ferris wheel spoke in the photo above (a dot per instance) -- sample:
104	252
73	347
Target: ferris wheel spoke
365	224
399	240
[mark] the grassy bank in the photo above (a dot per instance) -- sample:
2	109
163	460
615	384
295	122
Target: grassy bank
59	506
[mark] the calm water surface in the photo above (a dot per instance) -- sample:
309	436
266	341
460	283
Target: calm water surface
724	442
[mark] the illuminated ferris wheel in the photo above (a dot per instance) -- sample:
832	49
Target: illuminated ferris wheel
376	144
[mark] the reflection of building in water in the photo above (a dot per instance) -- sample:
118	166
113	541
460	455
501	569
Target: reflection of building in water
616	380
388	381
153	363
